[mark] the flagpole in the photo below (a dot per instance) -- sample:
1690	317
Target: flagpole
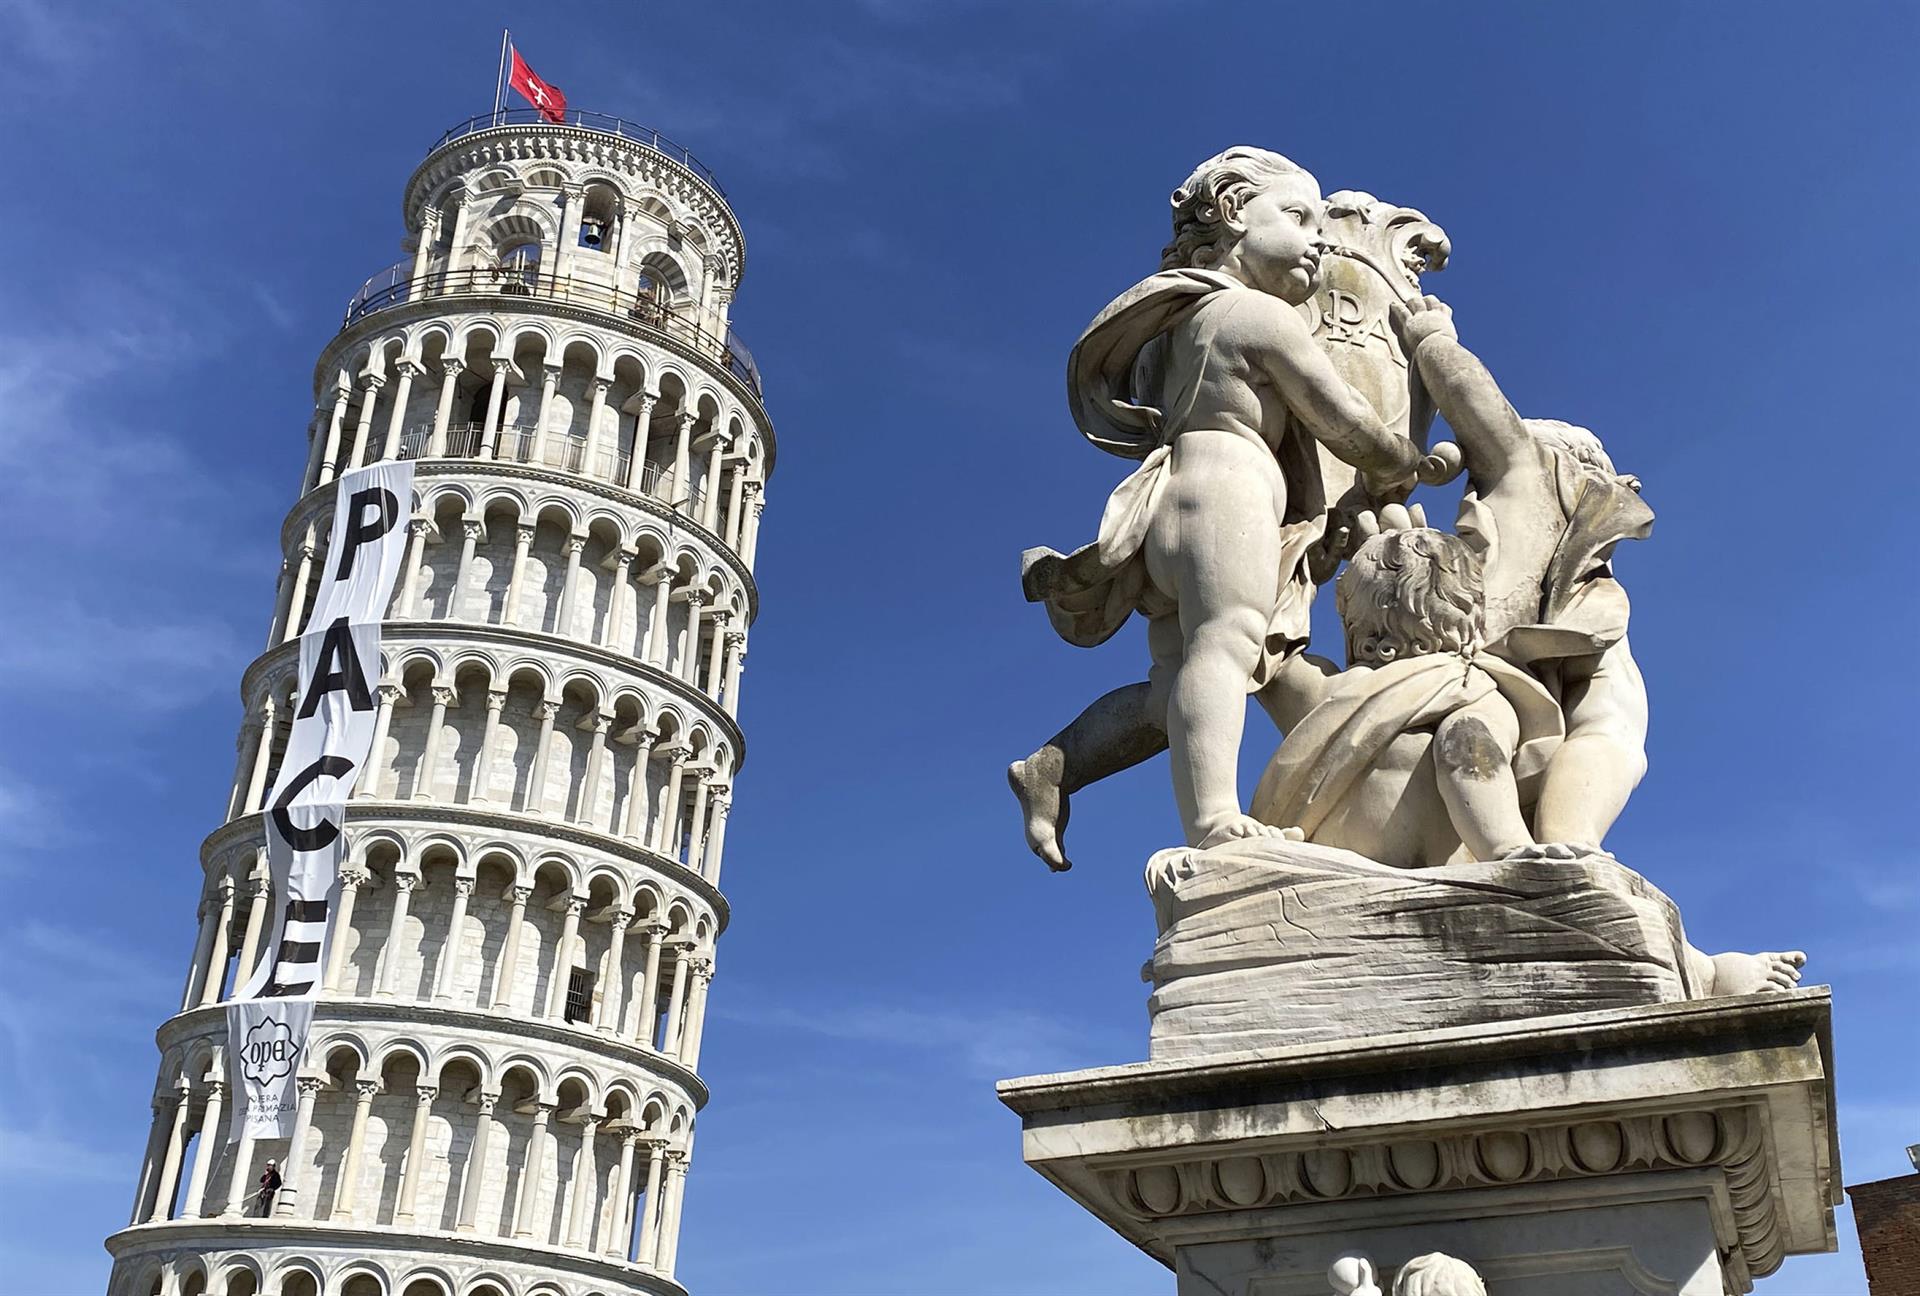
500	82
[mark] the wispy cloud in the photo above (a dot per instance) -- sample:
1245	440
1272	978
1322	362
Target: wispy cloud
50	1155
988	1044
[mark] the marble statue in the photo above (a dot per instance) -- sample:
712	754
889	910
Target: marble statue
1207	374
1433	1274
1426	845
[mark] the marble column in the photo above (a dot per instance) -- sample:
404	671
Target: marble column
619	1230
675	1187
606	1009
590	453
730	526
416	1154
212	1138
717	651
716	836
586	1187
634	819
296	1171
479	788
676	999
351	880
150	1160
710	484
330	452
649	1249
447	972
240	1180
496	405
544	711
563	959
563	618
167	1178
617	601
262	754
653	649
637	464
370	385
687	652
244	744
408	370
476	1178
646	1005
678	494
423	241
587	811
450	371
697	820
508	971
297	593
259	897
217	956
532	1163
417	528
750	539
736	657
516	579
549	381
666	835
389	694
199	971
423	783
696	1014
343	1197
403	885
471	531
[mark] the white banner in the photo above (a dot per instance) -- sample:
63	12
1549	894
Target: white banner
331	739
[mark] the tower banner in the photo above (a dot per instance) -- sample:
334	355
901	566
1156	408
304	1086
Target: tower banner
331	740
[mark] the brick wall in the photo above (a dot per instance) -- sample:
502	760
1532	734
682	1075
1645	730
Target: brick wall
1887	1214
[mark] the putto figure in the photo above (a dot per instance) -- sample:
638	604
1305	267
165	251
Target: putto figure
1207	374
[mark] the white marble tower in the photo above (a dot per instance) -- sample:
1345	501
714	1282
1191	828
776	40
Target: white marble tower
500	1091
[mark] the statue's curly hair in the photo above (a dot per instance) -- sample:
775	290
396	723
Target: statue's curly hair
1437	1274
1408	593
1215	191
1577	441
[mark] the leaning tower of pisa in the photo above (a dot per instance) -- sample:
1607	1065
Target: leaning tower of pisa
499	1094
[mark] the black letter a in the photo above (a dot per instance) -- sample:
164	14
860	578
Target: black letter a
327	677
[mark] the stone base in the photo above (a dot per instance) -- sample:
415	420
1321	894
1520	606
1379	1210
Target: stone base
1681	1148
1266	943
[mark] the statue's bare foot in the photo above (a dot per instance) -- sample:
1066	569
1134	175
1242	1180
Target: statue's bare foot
1241	826
1036	781
1545	851
1742	974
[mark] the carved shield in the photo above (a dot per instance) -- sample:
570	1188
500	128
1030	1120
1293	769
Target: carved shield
1378	254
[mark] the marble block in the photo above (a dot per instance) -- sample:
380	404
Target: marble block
1683	1149
1266	943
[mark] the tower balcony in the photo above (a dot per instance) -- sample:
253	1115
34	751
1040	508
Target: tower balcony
508	286
581	119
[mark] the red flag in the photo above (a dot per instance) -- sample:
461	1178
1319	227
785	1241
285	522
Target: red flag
547	98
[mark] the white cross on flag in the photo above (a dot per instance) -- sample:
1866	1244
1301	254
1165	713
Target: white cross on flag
547	98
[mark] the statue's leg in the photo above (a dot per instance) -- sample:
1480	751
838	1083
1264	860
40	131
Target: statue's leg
1587	782
1473	764
1116	732
1215	546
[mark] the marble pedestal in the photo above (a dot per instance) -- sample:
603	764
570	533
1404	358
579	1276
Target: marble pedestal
1673	1148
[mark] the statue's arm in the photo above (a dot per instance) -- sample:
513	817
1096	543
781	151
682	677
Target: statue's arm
1492	438
1278	345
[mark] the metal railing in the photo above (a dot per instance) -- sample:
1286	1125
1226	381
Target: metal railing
644	135
396	286
566	452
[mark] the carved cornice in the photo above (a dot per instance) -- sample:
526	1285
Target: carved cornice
335	1246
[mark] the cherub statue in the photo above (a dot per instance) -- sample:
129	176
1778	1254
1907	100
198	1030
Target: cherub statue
1437	1274
1208	374
1438	743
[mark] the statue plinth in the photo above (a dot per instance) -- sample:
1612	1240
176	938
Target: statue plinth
1679	1148
1267	943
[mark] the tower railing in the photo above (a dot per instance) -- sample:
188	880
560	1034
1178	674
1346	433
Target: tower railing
398	286
643	135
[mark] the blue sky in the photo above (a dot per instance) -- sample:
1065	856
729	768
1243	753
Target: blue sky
1687	227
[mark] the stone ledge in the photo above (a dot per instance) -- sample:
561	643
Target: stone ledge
1736	1089
469	1254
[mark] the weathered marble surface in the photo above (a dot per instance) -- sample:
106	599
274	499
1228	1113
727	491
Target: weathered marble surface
1680	1148
1266	943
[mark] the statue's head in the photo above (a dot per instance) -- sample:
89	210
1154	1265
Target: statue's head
1256	216
1410	593
1583	445
1438	1275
